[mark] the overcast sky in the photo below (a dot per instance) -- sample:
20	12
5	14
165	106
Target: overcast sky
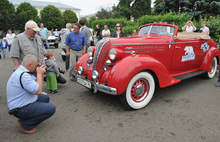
87	6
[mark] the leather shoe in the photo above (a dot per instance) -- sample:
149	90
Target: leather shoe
33	130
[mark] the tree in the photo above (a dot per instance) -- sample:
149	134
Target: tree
91	19
7	15
25	12
125	8
104	13
140	8
194	8
69	17
134	8
52	18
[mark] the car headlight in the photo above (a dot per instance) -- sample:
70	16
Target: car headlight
112	54
95	75
80	70
90	51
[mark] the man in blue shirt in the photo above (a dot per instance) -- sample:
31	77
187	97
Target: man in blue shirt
24	98
45	34
75	47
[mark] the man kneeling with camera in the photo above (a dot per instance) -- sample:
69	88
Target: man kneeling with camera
24	98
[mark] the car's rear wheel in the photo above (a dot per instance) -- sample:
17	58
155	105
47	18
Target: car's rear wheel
139	91
211	74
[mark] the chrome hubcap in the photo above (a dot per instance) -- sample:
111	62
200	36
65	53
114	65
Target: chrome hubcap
139	90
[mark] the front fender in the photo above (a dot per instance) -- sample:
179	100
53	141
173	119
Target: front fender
125	69
206	64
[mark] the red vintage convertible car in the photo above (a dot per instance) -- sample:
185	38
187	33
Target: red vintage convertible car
132	66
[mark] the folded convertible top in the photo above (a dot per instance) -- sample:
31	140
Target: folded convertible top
193	35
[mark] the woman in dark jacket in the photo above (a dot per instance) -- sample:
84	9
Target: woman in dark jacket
118	31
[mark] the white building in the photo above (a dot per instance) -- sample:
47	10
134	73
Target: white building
39	5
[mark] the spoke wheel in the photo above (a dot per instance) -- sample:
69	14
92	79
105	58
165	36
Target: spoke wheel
139	91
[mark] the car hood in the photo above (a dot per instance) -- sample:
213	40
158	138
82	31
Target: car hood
52	38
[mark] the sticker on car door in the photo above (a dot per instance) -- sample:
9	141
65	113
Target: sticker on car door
205	47
189	54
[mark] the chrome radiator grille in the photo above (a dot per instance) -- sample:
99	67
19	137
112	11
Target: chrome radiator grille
98	49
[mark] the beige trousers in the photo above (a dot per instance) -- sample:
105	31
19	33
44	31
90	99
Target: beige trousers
74	57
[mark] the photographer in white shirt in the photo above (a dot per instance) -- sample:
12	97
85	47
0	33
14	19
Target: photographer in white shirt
189	27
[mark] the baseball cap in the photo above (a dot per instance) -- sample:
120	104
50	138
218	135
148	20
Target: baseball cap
4	38
33	25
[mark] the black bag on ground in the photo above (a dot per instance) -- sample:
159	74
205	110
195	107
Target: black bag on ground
60	79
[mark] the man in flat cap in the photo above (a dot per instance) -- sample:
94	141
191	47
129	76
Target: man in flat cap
26	43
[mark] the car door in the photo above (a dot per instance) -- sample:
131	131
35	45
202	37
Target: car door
186	54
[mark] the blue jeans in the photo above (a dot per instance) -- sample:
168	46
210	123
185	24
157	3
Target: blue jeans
9	48
3	50
35	113
98	37
47	44
219	76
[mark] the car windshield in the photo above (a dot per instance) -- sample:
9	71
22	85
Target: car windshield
157	29
50	33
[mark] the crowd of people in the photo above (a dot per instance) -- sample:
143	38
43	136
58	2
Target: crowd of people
25	98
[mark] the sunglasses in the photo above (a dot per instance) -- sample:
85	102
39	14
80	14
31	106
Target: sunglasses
118	26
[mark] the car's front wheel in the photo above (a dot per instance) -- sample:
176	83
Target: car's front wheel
211	74
139	91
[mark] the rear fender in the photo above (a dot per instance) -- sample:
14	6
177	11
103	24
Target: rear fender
206	64
124	70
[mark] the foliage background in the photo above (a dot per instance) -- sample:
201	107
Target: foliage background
69	17
7	16
25	12
177	12
52	17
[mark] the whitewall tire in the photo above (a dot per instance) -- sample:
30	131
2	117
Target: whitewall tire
139	91
211	74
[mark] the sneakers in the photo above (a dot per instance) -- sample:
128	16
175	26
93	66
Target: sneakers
33	130
217	84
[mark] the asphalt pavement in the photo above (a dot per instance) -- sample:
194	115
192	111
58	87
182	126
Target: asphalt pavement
185	112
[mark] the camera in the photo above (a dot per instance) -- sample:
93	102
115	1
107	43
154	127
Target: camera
13	111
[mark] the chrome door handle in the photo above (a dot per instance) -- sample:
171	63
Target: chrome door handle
177	47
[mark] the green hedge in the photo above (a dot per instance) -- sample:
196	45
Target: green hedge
111	23
213	23
179	19
128	30
172	18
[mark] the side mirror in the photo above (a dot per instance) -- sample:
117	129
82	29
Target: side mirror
175	38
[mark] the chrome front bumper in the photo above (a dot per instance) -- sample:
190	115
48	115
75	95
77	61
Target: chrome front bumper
98	87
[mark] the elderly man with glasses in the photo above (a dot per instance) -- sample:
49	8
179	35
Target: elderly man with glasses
75	47
26	43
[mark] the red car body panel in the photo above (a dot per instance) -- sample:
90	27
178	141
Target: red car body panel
163	56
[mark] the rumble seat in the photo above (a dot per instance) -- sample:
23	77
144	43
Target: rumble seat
194	35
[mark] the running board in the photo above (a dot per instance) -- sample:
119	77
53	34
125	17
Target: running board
189	75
